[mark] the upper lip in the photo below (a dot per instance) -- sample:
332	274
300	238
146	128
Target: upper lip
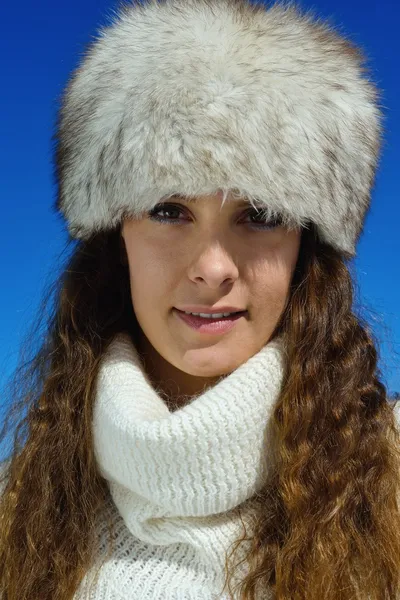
207	310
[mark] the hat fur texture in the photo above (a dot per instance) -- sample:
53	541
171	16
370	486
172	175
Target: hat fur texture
195	96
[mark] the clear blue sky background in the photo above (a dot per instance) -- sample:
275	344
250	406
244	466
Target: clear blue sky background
41	43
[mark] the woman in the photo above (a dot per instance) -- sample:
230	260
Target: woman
212	156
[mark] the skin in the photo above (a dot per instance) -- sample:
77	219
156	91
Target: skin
212	256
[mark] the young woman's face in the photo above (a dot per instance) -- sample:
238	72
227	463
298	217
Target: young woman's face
213	257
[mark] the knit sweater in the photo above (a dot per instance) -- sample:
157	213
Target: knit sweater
175	478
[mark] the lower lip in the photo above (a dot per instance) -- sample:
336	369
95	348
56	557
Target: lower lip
204	325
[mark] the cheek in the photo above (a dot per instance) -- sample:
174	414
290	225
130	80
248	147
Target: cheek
270	279
269	290
150	274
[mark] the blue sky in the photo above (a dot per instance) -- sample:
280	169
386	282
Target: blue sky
41	43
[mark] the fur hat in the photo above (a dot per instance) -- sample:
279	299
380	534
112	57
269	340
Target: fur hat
195	96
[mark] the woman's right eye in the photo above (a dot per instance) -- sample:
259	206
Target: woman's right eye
166	208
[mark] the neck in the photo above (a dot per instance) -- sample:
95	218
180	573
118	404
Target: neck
175	386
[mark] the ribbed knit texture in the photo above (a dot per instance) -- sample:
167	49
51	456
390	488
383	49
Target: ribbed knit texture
175	477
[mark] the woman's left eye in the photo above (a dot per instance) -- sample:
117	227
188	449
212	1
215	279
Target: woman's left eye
271	223
252	213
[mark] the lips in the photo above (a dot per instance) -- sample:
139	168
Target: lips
202	308
207	325
233	314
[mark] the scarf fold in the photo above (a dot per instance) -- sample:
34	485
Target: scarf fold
177	476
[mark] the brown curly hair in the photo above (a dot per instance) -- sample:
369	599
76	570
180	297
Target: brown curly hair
327	522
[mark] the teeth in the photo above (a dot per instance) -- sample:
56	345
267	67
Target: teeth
207	316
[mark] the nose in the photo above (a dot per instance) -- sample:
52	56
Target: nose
214	266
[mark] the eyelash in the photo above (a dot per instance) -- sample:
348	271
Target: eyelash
266	225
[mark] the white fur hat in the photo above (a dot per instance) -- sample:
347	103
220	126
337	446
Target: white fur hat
195	96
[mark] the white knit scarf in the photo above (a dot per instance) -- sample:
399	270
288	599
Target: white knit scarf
174	476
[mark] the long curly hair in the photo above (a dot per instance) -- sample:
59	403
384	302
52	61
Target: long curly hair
327	522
